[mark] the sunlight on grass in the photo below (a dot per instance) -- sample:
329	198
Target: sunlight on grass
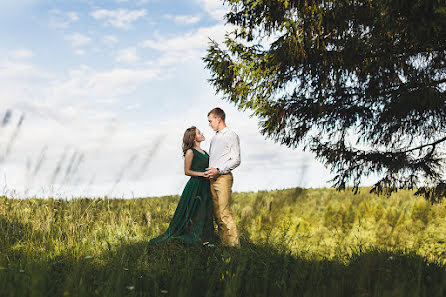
294	242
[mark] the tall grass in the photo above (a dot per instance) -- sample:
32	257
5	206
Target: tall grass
295	242
331	224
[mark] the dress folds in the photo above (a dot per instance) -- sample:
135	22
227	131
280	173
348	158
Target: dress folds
192	222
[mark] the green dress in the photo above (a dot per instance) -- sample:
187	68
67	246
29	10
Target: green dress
192	222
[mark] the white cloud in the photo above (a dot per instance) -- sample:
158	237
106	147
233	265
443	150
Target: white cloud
184	19
120	18
101	86
73	16
22	54
140	2
197	40
62	19
10	71
79	52
110	39
77	39
133	106
29	88
214	8
187	46
127	55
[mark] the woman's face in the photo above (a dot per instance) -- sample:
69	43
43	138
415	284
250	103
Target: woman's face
199	137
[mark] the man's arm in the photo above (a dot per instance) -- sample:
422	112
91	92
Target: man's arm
234	154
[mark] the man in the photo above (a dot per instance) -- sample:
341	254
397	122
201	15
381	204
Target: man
224	156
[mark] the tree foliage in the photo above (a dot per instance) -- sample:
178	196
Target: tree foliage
361	83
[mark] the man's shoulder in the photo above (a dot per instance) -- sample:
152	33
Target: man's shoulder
230	132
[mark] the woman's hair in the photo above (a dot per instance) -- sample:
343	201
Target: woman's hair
188	139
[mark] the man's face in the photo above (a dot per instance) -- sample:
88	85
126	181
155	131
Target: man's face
213	121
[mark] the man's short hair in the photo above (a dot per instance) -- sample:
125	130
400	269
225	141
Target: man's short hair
218	112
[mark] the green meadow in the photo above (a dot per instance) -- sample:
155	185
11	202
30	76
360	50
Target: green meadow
295	242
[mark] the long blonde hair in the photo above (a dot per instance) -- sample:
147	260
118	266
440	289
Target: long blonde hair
189	139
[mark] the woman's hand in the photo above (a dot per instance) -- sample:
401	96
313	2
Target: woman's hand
211	172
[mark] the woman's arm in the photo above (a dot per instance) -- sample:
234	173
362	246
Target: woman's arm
188	162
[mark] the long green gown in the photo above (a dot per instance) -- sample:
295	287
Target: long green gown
192	222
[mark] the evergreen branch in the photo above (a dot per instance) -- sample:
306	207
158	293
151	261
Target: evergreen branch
425	145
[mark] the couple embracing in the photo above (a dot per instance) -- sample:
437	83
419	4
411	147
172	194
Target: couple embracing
207	195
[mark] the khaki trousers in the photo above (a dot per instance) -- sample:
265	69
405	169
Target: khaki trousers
221	189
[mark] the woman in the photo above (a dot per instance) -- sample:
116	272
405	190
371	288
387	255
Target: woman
192	222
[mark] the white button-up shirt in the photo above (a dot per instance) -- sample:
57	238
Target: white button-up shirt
224	151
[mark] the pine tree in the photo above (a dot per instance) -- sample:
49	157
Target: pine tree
361	83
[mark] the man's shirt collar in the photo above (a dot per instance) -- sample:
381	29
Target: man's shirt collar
223	131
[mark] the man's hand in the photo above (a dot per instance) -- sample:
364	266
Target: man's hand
211	173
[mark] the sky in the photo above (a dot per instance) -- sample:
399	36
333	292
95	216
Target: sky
96	96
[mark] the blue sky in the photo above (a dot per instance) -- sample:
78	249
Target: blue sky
107	89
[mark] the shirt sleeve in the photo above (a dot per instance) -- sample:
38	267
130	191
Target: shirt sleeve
234	154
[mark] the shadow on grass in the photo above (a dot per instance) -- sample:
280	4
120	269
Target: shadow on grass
137	269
